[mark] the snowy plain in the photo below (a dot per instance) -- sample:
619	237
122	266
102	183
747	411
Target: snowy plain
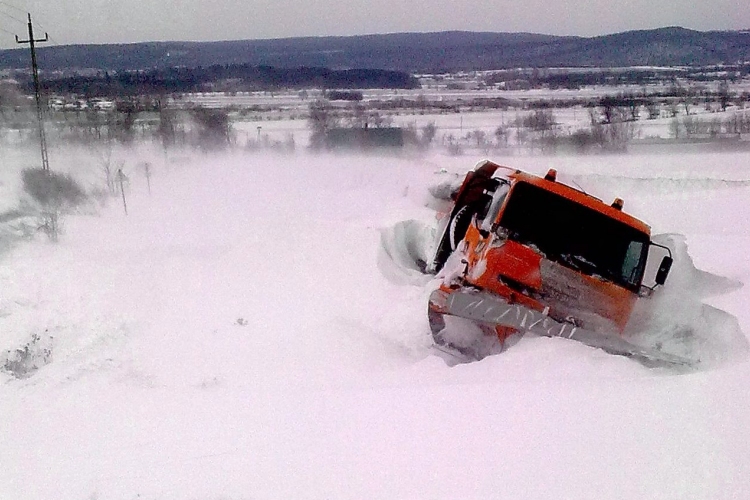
240	334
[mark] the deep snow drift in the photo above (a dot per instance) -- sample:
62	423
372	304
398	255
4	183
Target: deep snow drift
673	321
253	330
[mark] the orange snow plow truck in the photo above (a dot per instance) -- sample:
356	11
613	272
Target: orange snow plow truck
520	253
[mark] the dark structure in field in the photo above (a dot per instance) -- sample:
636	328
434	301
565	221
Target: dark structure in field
365	138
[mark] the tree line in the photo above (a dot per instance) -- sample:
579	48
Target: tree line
226	78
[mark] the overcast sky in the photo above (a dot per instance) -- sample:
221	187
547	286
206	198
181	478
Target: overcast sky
115	21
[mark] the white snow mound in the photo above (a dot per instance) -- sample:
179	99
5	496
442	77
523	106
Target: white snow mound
673	320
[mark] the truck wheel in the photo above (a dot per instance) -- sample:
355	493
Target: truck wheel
452	235
458	226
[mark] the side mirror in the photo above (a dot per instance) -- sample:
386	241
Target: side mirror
663	272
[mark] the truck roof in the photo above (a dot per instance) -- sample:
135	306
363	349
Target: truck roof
582	198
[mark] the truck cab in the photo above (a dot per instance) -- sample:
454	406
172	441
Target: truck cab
547	247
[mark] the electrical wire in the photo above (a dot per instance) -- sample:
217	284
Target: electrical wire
53	41
13	35
12	17
46	32
9	16
6	31
24	22
37	24
19	9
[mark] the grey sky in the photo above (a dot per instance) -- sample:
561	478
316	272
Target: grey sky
110	21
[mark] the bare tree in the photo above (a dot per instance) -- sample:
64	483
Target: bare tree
167	130
608	108
672	109
674	128
541	120
54	193
724	96
690	125
480	138
654	110
321	119
428	134
502	135
214	129
453	145
615	134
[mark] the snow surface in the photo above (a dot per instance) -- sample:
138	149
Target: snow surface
253	329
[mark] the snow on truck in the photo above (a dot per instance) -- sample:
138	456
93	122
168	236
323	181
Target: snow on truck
520	253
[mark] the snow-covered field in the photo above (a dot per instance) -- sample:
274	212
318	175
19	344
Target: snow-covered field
241	334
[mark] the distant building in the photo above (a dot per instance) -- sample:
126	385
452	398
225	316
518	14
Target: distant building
518	84
56	103
103	104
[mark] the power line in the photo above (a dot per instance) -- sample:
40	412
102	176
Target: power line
9	16
22	11
8	32
6	15
21	21
54	42
49	38
12	17
19	9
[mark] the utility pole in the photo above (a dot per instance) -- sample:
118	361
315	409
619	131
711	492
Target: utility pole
50	216
37	92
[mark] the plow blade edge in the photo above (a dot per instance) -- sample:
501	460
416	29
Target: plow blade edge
485	308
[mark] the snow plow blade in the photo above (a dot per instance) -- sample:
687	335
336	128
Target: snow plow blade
483	308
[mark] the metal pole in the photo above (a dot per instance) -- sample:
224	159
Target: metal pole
147	167
121	178
37	92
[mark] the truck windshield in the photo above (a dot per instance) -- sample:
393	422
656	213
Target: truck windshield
575	236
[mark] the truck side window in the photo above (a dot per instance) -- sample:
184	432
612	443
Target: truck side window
632	262
497	202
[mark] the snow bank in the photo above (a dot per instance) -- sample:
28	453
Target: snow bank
675	319
241	334
405	249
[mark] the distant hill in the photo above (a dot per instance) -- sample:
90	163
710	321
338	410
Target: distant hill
408	52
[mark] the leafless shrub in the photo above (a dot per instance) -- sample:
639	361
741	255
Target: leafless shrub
428	134
104	154
23	362
479	137
616	131
738	123
653	109
214	129
52	189
453	145
674	128
502	134
358	115
287	145
541	120
54	193
321	119
584	141
167	129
